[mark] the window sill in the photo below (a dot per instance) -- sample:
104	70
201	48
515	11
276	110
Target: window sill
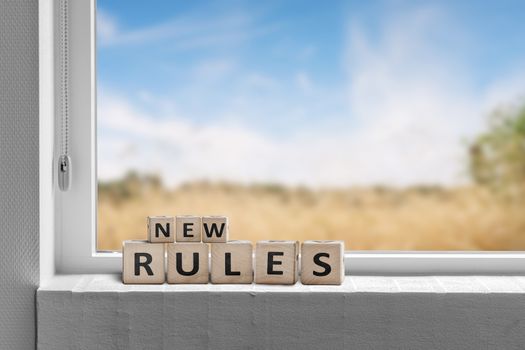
352	284
98	311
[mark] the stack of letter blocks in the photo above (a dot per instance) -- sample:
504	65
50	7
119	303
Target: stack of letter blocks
175	249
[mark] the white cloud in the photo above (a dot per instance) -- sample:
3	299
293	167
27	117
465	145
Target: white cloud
304	82
509	90
177	149
213	69
106	27
414	106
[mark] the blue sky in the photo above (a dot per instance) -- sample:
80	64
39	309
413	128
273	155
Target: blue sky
303	92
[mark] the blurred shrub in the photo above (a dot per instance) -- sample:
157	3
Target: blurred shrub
497	157
132	185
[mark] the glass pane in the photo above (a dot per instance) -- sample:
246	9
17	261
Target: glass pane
392	125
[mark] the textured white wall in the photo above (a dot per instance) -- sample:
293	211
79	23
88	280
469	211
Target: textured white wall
19	273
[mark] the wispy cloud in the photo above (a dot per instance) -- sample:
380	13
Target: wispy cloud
187	32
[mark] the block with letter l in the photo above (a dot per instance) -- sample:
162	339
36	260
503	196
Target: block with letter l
276	262
322	262
160	229
142	263
232	262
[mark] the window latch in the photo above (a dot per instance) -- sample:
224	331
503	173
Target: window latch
64	172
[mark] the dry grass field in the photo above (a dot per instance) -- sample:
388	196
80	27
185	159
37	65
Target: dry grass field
418	218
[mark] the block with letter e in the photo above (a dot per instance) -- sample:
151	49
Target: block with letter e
232	262
142	263
322	262
276	262
161	229
188	228
214	229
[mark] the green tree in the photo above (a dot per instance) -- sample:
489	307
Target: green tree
497	156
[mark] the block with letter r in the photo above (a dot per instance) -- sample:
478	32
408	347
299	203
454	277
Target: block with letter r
142	263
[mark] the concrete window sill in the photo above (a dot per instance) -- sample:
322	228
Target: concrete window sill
98	311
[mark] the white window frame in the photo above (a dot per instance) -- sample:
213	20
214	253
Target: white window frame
74	223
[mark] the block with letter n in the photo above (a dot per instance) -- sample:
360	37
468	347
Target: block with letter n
160	229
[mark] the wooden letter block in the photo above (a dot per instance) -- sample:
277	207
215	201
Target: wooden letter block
161	229
214	229
188	263
276	262
232	262
322	262
142	263
188	228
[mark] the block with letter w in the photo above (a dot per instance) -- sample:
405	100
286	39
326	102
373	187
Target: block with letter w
214	229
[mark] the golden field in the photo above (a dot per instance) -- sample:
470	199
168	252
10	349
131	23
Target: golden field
419	218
